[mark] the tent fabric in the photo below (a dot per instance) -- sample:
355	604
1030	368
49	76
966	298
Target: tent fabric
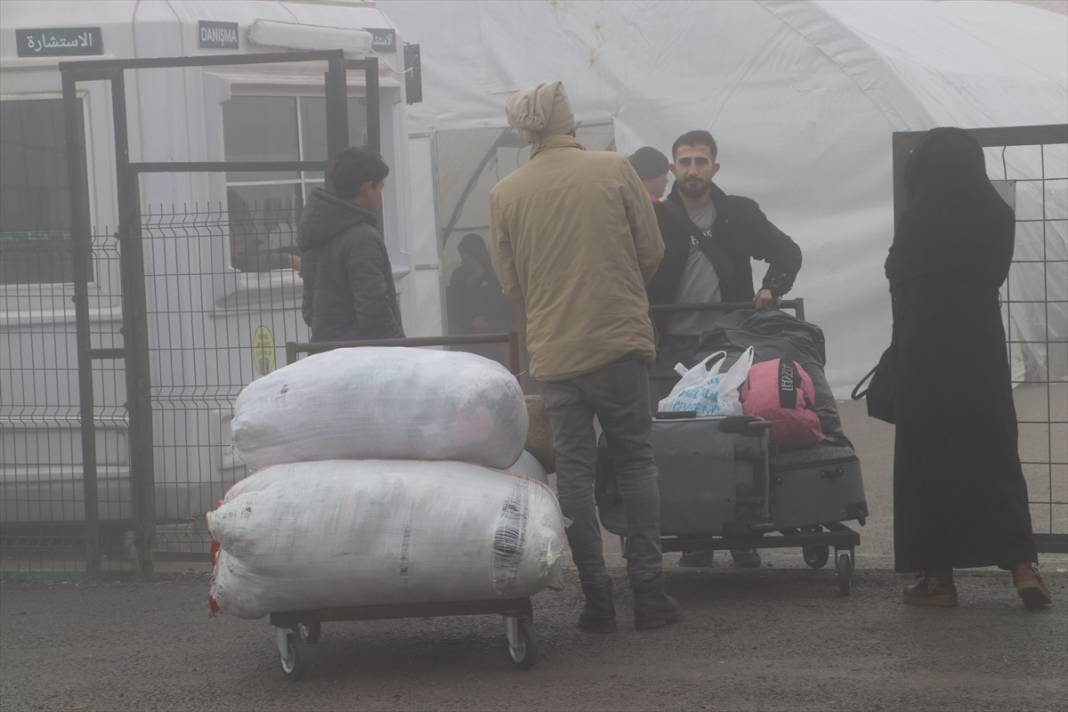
802	96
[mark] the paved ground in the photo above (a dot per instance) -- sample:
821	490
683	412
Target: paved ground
780	638
775	639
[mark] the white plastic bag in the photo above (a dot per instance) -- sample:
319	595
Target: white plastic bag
382	403
705	391
350	533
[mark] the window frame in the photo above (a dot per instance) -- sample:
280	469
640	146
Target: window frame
61	289
300	93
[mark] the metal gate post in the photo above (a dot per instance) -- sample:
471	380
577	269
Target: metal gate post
81	248
337	107
374	120
135	334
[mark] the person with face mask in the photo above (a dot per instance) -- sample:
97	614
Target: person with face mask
710	239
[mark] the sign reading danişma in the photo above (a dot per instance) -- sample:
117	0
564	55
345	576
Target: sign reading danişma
218	35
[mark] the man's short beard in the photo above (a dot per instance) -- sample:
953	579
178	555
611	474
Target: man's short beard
695	187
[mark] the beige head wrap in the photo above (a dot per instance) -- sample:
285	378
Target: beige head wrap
542	111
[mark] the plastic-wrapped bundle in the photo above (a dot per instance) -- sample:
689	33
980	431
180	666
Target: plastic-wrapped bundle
348	533
382	403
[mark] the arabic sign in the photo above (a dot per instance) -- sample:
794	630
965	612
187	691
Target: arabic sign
382	39
59	42
218	35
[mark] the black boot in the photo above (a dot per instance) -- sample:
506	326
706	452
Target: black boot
652	607
599	614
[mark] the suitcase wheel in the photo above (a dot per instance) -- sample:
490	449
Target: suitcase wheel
816	555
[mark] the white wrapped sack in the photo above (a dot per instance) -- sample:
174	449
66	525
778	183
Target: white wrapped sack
382	403
350	533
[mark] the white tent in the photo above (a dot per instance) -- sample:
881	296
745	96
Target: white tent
801	96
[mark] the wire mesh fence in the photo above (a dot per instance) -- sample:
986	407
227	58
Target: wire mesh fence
223	298
42	496
1034	178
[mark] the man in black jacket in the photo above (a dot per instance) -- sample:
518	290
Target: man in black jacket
710	239
348	280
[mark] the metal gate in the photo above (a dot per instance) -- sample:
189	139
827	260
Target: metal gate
1029	165
135	423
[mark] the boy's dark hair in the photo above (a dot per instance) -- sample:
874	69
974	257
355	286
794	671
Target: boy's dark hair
352	168
699	137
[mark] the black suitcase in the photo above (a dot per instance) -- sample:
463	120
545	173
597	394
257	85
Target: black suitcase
816	485
714	477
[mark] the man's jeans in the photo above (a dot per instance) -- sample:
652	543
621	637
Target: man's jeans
618	394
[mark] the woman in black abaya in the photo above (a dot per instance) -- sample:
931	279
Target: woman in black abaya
960	499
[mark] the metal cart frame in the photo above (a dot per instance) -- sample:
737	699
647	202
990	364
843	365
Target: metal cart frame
295	629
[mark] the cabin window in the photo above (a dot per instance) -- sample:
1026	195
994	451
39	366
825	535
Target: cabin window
264	206
35	233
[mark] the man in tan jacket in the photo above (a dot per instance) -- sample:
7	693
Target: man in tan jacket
574	240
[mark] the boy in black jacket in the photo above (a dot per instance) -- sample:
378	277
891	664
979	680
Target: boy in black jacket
348	279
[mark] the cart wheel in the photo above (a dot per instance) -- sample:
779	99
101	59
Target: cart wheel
310	633
291	654
522	646
816	555
844	568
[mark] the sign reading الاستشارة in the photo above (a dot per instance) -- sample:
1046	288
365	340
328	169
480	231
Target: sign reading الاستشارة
218	35
59	42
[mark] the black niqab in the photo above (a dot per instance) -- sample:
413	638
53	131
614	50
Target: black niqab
954	219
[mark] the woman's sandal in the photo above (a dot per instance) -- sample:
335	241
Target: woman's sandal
1030	586
932	591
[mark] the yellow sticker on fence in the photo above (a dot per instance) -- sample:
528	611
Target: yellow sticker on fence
263	350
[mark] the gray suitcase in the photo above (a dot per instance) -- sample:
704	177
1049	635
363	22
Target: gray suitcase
714	477
816	485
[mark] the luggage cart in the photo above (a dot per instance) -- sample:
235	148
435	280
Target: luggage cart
814	541
296	629
760	530
753	522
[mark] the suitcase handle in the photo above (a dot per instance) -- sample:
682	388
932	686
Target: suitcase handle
833	474
676	415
